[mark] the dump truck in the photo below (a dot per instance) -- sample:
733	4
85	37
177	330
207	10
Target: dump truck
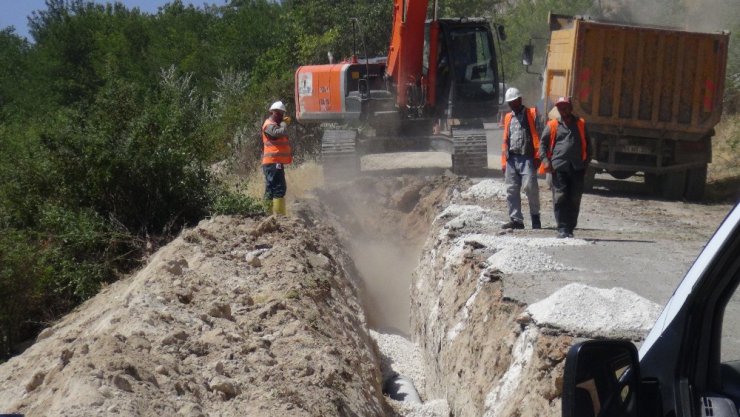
651	97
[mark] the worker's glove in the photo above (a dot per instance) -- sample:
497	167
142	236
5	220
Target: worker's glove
287	120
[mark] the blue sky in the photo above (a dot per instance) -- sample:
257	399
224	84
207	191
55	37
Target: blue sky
16	12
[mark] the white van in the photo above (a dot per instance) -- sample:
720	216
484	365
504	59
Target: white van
689	364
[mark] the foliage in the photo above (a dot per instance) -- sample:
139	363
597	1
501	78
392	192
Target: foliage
230	202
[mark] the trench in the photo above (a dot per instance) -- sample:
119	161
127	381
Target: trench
470	350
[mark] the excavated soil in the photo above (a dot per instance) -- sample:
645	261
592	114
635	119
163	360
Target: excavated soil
308	315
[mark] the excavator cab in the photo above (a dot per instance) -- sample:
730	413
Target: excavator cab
467	80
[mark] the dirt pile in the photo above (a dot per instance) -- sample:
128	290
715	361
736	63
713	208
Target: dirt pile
235	317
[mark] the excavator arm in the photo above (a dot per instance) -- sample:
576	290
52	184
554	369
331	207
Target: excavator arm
406	51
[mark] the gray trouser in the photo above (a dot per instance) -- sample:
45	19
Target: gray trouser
520	172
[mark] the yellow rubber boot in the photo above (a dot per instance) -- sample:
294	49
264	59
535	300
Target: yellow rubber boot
278	206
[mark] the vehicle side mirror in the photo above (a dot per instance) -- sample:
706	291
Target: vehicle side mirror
501	32
601	378
528	54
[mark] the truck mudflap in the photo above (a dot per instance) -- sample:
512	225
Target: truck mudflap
339	156
469	151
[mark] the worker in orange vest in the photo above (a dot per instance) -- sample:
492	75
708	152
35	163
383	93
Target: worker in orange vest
520	160
566	151
276	153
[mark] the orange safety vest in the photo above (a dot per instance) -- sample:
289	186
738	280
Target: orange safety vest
531	115
581	129
276	150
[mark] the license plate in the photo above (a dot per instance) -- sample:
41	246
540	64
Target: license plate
642	150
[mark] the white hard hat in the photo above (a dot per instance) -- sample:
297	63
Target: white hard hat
512	94
278	105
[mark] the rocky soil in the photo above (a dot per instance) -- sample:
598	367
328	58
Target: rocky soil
308	315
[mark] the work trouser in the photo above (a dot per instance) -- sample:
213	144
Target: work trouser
567	189
275	185
520	171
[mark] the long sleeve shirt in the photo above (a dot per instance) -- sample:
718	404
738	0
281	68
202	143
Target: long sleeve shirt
276	131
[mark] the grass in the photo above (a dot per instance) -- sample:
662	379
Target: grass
724	171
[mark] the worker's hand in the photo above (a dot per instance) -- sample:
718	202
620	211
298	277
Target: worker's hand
546	164
287	120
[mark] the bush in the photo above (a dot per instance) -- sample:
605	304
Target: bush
233	202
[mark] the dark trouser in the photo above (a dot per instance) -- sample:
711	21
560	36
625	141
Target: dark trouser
275	186
567	189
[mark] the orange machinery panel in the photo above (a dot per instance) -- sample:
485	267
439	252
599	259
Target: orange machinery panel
321	93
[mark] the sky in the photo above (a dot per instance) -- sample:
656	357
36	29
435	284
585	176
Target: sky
16	12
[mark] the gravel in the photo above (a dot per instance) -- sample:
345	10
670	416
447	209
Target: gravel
595	312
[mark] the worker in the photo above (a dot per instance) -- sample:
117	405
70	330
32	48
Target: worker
276	154
520	160
566	152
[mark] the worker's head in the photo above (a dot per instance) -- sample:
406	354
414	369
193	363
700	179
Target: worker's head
564	106
513	98
277	111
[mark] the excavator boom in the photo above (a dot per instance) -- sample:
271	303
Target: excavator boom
406	50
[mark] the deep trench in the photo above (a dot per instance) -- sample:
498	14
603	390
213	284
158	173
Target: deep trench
386	223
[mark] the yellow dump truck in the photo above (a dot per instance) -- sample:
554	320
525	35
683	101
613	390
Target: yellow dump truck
651	97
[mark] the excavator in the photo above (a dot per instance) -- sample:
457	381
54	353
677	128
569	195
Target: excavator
439	83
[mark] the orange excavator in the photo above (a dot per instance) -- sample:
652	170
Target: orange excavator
439	83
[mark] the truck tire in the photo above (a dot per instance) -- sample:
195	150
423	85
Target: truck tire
588	179
621	175
672	185
696	182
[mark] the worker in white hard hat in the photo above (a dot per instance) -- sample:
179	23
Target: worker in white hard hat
520	160
276	154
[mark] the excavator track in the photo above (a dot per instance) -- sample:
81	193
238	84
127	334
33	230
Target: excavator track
339	156
470	151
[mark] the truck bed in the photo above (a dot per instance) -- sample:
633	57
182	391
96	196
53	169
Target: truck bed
638	81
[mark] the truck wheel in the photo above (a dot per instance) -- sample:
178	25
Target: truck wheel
589	179
672	185
621	175
696	181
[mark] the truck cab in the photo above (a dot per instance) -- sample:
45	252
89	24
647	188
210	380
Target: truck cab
689	364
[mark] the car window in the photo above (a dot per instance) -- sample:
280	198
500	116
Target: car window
730	351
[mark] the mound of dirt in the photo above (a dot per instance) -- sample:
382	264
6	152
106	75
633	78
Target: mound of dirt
235	317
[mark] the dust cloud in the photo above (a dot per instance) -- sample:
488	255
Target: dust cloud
386	268
692	15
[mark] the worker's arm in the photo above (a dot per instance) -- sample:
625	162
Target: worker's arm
589	151
545	146
275	131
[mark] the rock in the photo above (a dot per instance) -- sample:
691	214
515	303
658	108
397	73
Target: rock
225	386
319	260
184	296
35	381
221	310
162	370
105	391
122	383
175	337
176	267
253	259
219	368
190	410
45	333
